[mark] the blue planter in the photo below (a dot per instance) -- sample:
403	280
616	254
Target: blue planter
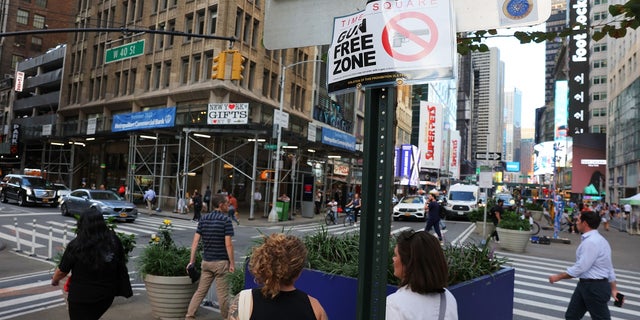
338	294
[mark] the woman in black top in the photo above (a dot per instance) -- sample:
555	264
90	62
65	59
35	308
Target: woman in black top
276	265
96	258
197	205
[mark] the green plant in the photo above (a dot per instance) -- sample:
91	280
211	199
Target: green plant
162	257
533	206
470	261
338	254
512	221
478	215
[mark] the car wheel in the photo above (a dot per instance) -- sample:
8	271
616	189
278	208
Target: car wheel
4	197
64	210
22	201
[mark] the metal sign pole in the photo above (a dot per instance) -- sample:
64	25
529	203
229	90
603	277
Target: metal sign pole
377	181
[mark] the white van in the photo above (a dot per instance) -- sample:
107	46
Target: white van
461	199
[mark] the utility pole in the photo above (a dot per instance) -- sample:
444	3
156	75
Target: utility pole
273	214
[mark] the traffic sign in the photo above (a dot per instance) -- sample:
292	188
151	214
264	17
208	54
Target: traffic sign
270	146
126	51
495	156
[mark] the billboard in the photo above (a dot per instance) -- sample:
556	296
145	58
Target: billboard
590	163
454	161
545	153
430	135
578	67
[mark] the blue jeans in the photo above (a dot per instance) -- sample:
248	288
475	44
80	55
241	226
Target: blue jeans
435	224
590	296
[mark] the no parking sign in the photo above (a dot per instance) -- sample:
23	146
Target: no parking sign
409	40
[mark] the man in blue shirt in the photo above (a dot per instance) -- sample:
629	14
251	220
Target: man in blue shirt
594	269
215	230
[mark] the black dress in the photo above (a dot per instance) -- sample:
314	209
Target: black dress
287	305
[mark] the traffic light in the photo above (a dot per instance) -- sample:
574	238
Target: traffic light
237	66
218	68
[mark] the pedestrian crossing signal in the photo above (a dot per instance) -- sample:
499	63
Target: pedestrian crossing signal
218	68
237	66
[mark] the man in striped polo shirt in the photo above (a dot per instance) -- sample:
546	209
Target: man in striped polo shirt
215	230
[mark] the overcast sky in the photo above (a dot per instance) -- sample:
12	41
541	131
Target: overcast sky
524	69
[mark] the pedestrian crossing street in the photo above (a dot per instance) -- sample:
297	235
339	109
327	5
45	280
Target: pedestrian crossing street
536	298
43	238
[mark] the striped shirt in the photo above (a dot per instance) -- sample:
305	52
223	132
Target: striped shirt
213	228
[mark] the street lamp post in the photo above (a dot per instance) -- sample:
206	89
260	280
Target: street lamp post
273	215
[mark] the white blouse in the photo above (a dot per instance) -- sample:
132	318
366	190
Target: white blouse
405	304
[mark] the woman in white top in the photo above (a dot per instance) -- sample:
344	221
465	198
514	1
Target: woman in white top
419	263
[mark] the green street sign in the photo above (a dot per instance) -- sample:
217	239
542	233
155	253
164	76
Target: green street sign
270	146
126	51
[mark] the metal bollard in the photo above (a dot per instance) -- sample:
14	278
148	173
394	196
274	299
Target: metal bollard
33	239
15	227
50	256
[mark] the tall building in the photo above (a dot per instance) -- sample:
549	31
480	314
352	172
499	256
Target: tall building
488	109
623	131
109	77
512	124
17	16
557	21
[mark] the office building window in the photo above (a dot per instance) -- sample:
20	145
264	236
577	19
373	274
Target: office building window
147	78
213	19
36	43
599	80
200	22
188	26
599	96
23	17
599	64
184	71
38	21
41	3
196	64
167	74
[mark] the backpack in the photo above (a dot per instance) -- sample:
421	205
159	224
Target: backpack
443	212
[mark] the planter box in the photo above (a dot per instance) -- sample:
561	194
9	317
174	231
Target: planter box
480	227
513	240
169	296
338	295
537	215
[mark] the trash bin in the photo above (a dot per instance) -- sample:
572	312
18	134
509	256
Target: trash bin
282	209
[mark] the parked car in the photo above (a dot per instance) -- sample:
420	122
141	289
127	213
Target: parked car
26	189
106	202
410	207
61	191
509	202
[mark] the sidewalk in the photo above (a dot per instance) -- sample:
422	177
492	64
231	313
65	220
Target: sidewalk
136	307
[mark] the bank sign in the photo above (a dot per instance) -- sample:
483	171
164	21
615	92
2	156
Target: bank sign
152	119
411	41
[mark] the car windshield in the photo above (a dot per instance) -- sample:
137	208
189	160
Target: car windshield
461	196
104	195
504	197
412	200
60	187
36	182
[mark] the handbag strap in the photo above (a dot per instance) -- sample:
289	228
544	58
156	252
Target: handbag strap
244	304
443	306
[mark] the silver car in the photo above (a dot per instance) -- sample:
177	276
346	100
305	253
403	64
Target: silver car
106	202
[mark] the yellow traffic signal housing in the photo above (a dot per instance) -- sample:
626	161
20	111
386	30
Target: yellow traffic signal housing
218	68
237	66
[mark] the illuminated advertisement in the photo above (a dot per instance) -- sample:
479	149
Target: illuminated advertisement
578	47
454	161
560	110
544	154
590	163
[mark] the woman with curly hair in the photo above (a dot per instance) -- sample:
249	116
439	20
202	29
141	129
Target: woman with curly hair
419	263
97	260
276	265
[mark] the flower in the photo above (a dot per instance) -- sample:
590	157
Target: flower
162	256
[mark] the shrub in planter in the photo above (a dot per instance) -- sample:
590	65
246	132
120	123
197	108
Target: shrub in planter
533	206
163	257
512	221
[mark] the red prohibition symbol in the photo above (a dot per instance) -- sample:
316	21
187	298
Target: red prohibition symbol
427	46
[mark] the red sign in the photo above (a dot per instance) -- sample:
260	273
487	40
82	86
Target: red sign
430	30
